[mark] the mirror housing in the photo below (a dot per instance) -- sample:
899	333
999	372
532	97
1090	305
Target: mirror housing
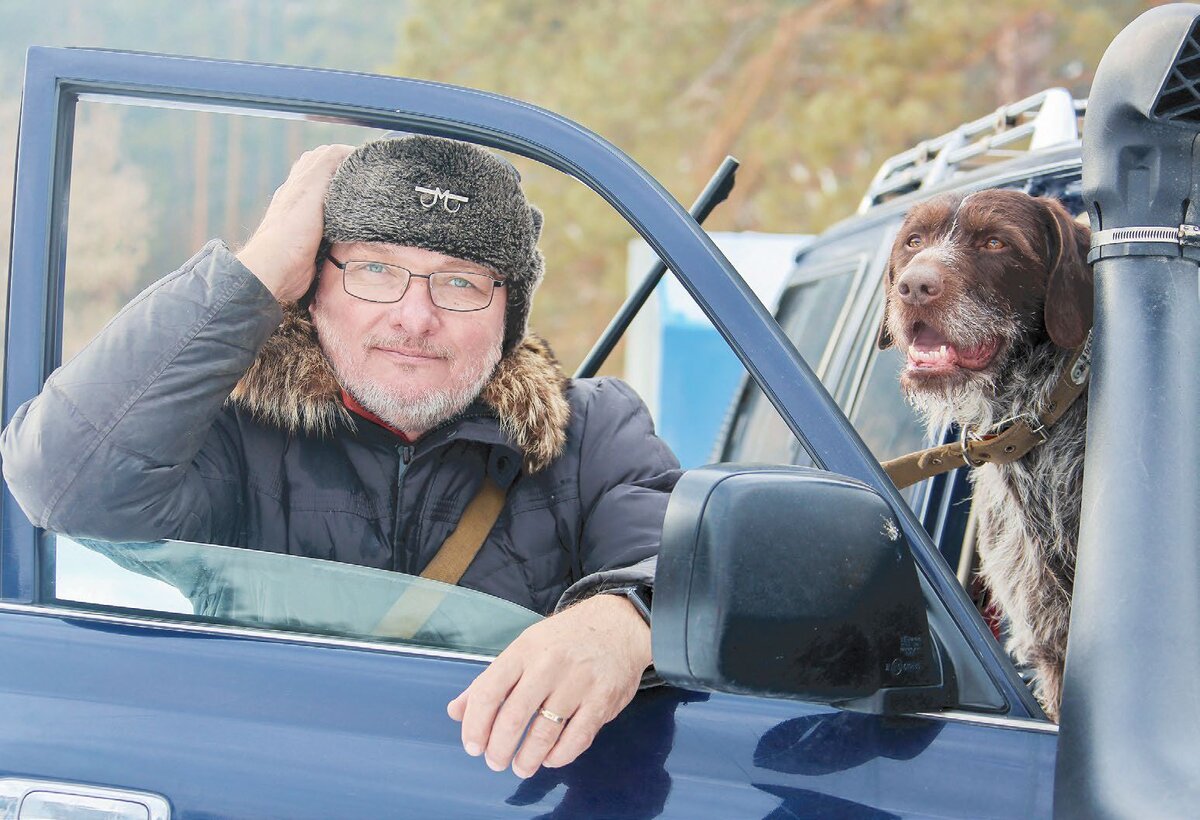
793	582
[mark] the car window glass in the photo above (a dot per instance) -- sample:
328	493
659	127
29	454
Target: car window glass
888	425
809	314
149	187
882	417
250	588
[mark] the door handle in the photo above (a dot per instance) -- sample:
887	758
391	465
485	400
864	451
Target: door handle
31	799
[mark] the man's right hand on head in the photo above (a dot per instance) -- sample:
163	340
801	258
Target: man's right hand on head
283	250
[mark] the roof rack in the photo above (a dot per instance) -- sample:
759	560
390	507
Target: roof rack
1049	118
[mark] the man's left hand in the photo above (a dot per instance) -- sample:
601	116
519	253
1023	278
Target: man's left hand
583	664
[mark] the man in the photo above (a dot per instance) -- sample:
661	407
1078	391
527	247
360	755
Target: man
352	409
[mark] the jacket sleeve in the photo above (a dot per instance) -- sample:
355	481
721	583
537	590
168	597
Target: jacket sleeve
626	474
127	441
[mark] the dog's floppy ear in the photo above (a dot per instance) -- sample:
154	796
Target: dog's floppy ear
883	339
1069	293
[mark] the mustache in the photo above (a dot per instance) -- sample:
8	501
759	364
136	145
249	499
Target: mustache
403	341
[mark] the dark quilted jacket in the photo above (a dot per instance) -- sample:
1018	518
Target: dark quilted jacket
137	439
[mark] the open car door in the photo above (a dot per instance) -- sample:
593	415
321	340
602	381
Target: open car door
131	697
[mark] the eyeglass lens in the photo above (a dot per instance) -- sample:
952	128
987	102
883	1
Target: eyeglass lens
450	290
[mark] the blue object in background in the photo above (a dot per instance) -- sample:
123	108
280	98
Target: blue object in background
676	359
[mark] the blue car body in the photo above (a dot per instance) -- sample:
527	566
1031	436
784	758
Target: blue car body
237	722
242	726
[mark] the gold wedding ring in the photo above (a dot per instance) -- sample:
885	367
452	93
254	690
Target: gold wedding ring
552	717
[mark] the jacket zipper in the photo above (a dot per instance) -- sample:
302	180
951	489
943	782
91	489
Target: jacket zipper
450	423
406	453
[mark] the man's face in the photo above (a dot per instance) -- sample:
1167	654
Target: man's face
411	363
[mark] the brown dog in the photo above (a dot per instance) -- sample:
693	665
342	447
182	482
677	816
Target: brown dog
988	294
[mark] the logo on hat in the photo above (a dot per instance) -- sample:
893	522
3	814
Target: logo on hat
430	196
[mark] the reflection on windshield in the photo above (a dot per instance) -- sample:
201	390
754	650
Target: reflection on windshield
262	589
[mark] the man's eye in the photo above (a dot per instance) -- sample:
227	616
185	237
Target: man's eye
374	270
460	282
915	241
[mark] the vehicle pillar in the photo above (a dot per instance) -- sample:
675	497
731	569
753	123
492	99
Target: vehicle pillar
1131	713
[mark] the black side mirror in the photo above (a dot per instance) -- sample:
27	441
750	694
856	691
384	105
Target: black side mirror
793	582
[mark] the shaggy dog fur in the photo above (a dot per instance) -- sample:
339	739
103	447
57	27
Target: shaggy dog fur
291	385
987	295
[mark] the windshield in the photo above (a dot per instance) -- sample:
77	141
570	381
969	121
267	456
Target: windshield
262	589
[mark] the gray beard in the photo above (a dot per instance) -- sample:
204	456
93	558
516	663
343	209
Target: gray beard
412	413
416	416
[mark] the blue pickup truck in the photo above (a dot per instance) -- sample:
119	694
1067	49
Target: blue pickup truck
825	660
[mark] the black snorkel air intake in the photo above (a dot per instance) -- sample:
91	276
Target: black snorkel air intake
1130	737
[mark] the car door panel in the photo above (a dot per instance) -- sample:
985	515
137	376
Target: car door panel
241	726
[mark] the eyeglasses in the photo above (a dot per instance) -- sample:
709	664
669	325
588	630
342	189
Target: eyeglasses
384	283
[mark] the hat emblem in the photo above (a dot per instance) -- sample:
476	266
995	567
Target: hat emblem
451	203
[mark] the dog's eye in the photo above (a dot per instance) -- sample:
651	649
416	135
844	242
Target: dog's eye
915	241
993	243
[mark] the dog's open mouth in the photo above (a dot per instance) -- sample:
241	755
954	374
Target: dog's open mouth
931	353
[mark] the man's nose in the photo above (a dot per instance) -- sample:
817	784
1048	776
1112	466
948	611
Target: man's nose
415	312
920	284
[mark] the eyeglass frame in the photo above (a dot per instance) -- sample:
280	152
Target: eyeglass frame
428	277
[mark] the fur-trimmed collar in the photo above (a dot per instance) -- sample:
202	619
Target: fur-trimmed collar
291	385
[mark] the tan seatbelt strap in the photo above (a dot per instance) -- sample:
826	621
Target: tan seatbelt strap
460	549
1013	438
417	603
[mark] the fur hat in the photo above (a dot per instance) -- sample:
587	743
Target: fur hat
445	196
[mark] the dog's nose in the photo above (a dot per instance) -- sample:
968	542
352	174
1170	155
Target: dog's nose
919	285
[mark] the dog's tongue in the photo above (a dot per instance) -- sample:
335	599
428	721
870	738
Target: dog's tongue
928	338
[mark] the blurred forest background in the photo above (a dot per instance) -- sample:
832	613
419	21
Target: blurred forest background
810	96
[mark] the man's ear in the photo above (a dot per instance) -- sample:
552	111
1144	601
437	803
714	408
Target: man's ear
1069	293
883	338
